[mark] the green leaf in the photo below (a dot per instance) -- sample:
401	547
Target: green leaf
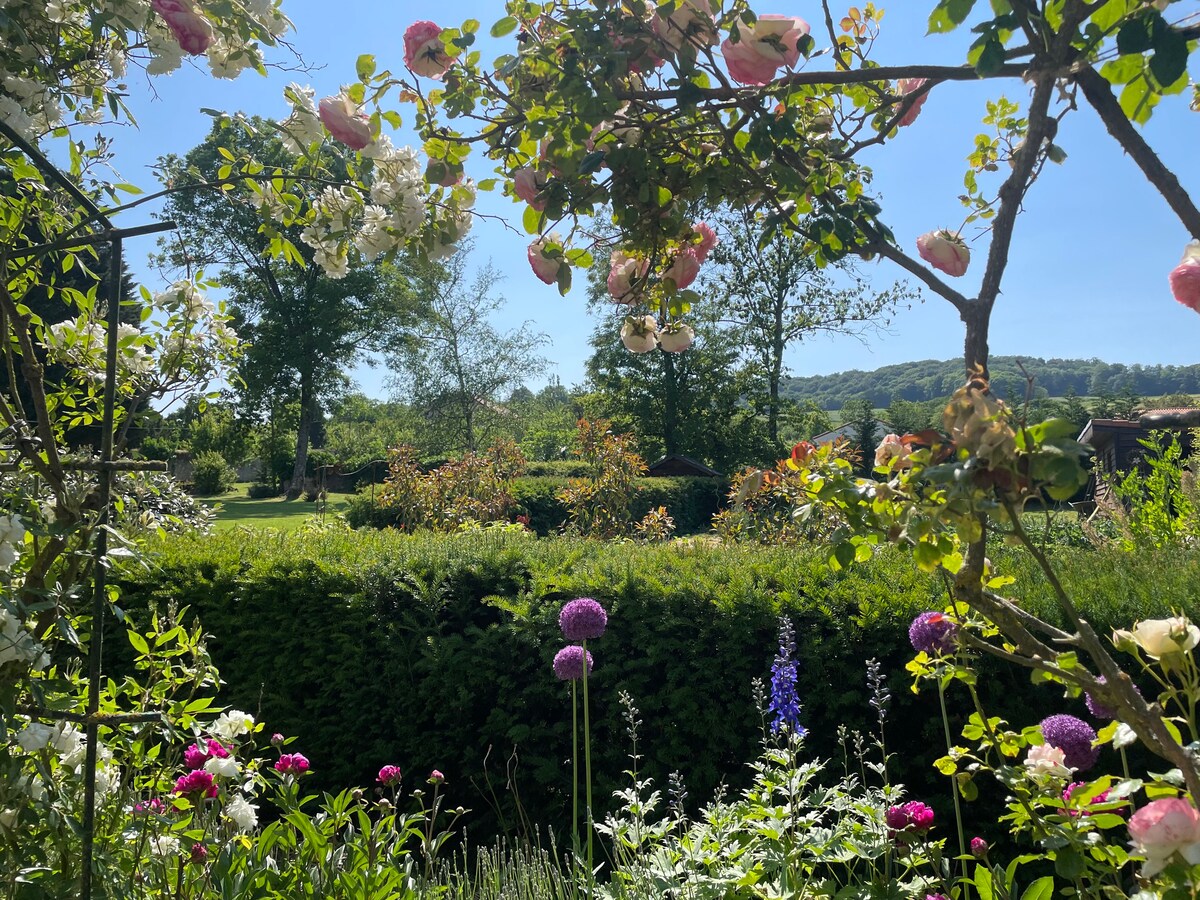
365	67
564	279
1068	864
138	642
1042	889
983	882
1169	62
948	15
531	220
991	56
507	25
225	152
1135	36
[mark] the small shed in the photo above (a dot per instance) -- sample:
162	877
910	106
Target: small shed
675	464
1117	441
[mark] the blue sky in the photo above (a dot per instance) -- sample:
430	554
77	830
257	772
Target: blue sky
1089	262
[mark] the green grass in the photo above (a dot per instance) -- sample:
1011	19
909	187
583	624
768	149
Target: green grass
235	508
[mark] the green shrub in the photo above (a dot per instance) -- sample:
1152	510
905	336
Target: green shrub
261	491
434	651
692	502
211	474
559	468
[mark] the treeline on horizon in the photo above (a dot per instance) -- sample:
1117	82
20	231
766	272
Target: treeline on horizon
930	379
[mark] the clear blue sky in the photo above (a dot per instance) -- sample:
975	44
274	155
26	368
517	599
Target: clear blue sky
1089	261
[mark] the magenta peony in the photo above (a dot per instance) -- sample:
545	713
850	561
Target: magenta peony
763	48
424	51
389	776
1185	278
946	251
341	116
198	782
292	764
191	29
907	86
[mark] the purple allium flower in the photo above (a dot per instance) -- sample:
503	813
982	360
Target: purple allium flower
582	620
292	764
390	776
1074	738
568	663
1097	708
913	814
979	847
933	633
785	703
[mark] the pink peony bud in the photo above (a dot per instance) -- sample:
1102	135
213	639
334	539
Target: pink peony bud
639	334
979	847
676	338
907	86
770	43
527	183
198	855
1163	828
390	776
349	126
436	777
946	251
277	739
424	51
192	30
544	265
1185	278
684	269
626	276
708	240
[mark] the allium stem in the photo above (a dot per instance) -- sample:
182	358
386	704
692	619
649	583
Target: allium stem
962	842
575	765
587	768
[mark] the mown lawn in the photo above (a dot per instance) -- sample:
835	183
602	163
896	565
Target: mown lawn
235	508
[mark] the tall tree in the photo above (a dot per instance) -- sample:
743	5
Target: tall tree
777	296
304	327
458	368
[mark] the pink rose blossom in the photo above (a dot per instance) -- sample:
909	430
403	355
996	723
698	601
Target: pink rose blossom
708	240
946	251
907	86
341	116
676	338
689	24
763	48
890	448
544	266
527	183
193	32
684	269
626	276
1185	278
1163	828
639	334
424	51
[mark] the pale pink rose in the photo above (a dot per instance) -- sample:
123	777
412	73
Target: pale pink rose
1166	637
764	47
544	266
708	240
626	275
906	86
1044	759
527	182
1185	278
424	51
676	338
192	30
341	116
684	269
691	23
1162	828
639	334
890	449
946	251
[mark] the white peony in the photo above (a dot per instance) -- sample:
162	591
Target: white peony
241	812
34	736
222	767
231	723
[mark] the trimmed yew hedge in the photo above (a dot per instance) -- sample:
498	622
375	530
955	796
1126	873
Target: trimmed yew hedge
434	651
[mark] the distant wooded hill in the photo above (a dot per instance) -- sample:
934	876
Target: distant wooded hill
931	379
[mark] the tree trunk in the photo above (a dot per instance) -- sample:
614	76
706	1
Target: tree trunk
670	405
302	433
976	316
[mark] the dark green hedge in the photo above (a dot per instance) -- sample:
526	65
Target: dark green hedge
691	501
425	651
